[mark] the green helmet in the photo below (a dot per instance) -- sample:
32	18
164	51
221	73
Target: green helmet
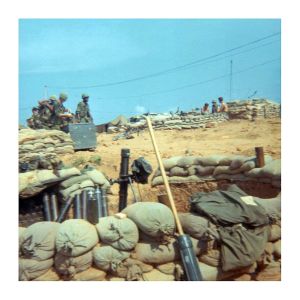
63	96
84	96
53	98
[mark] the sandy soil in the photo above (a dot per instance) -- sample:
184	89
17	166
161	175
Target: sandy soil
233	137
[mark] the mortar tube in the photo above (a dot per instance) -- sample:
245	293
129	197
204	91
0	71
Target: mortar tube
104	203
65	210
46	207
84	204
99	199
54	209
77	207
123	192
92	208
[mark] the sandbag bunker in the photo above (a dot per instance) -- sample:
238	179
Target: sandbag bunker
235	237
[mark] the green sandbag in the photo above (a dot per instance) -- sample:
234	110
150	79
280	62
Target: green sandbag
69	266
107	258
21	236
121	234
157	253
154	219
39	240
30	269
75	179
76	237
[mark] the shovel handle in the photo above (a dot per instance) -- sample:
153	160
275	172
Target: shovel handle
164	176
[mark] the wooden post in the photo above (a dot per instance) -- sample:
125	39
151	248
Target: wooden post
260	158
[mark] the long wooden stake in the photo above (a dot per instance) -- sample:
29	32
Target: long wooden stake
164	176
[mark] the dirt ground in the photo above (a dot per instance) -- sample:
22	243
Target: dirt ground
232	137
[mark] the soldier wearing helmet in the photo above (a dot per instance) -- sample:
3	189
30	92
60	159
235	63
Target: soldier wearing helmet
34	121
46	111
223	106
83	114
214	108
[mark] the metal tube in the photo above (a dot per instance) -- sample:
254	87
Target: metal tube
77	207
84	204
92	208
104	203
46	207
99	199
260	158
188	257
54	209
64	210
123	192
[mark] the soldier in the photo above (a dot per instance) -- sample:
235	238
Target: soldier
83	114
46	112
34	121
223	106
60	117
205	109
214	108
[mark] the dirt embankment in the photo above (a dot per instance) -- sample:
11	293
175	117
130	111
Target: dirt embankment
233	137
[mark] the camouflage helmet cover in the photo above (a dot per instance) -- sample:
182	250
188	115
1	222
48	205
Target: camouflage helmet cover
53	97
63	96
83	96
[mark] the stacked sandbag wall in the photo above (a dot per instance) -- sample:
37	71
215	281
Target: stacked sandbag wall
188	174
136	245
253	109
190	120
40	149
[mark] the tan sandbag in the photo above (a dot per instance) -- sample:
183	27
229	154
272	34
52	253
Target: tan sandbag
168	268
107	258
177	171
243	277
121	234
66	192
72	180
91	274
212	160
156	253
277	249
156	275
86	183
66	173
30	269
76	237
21	236
114	278
69	266
39	240
171	162
46	176
274	233
201	170
212	257
272	169
187	161
97	177
50	275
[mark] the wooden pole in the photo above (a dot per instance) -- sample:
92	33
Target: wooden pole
164	176
260	158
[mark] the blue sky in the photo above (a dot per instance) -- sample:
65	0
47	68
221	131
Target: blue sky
71	55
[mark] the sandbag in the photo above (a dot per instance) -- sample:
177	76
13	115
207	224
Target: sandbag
156	275
46	176
76	237
121	234
277	249
91	274
212	257
201	170
154	219
97	177
50	275
156	253
39	240
171	162
198	226
187	161
212	160
75	179
274	233
86	183
272	206
272	169
69	266
30	269
66	173
272	272
177	171
21	236
107	258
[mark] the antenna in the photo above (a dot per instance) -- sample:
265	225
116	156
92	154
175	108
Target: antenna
230	80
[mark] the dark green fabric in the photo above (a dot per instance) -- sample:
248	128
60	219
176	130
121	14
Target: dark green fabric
242	227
